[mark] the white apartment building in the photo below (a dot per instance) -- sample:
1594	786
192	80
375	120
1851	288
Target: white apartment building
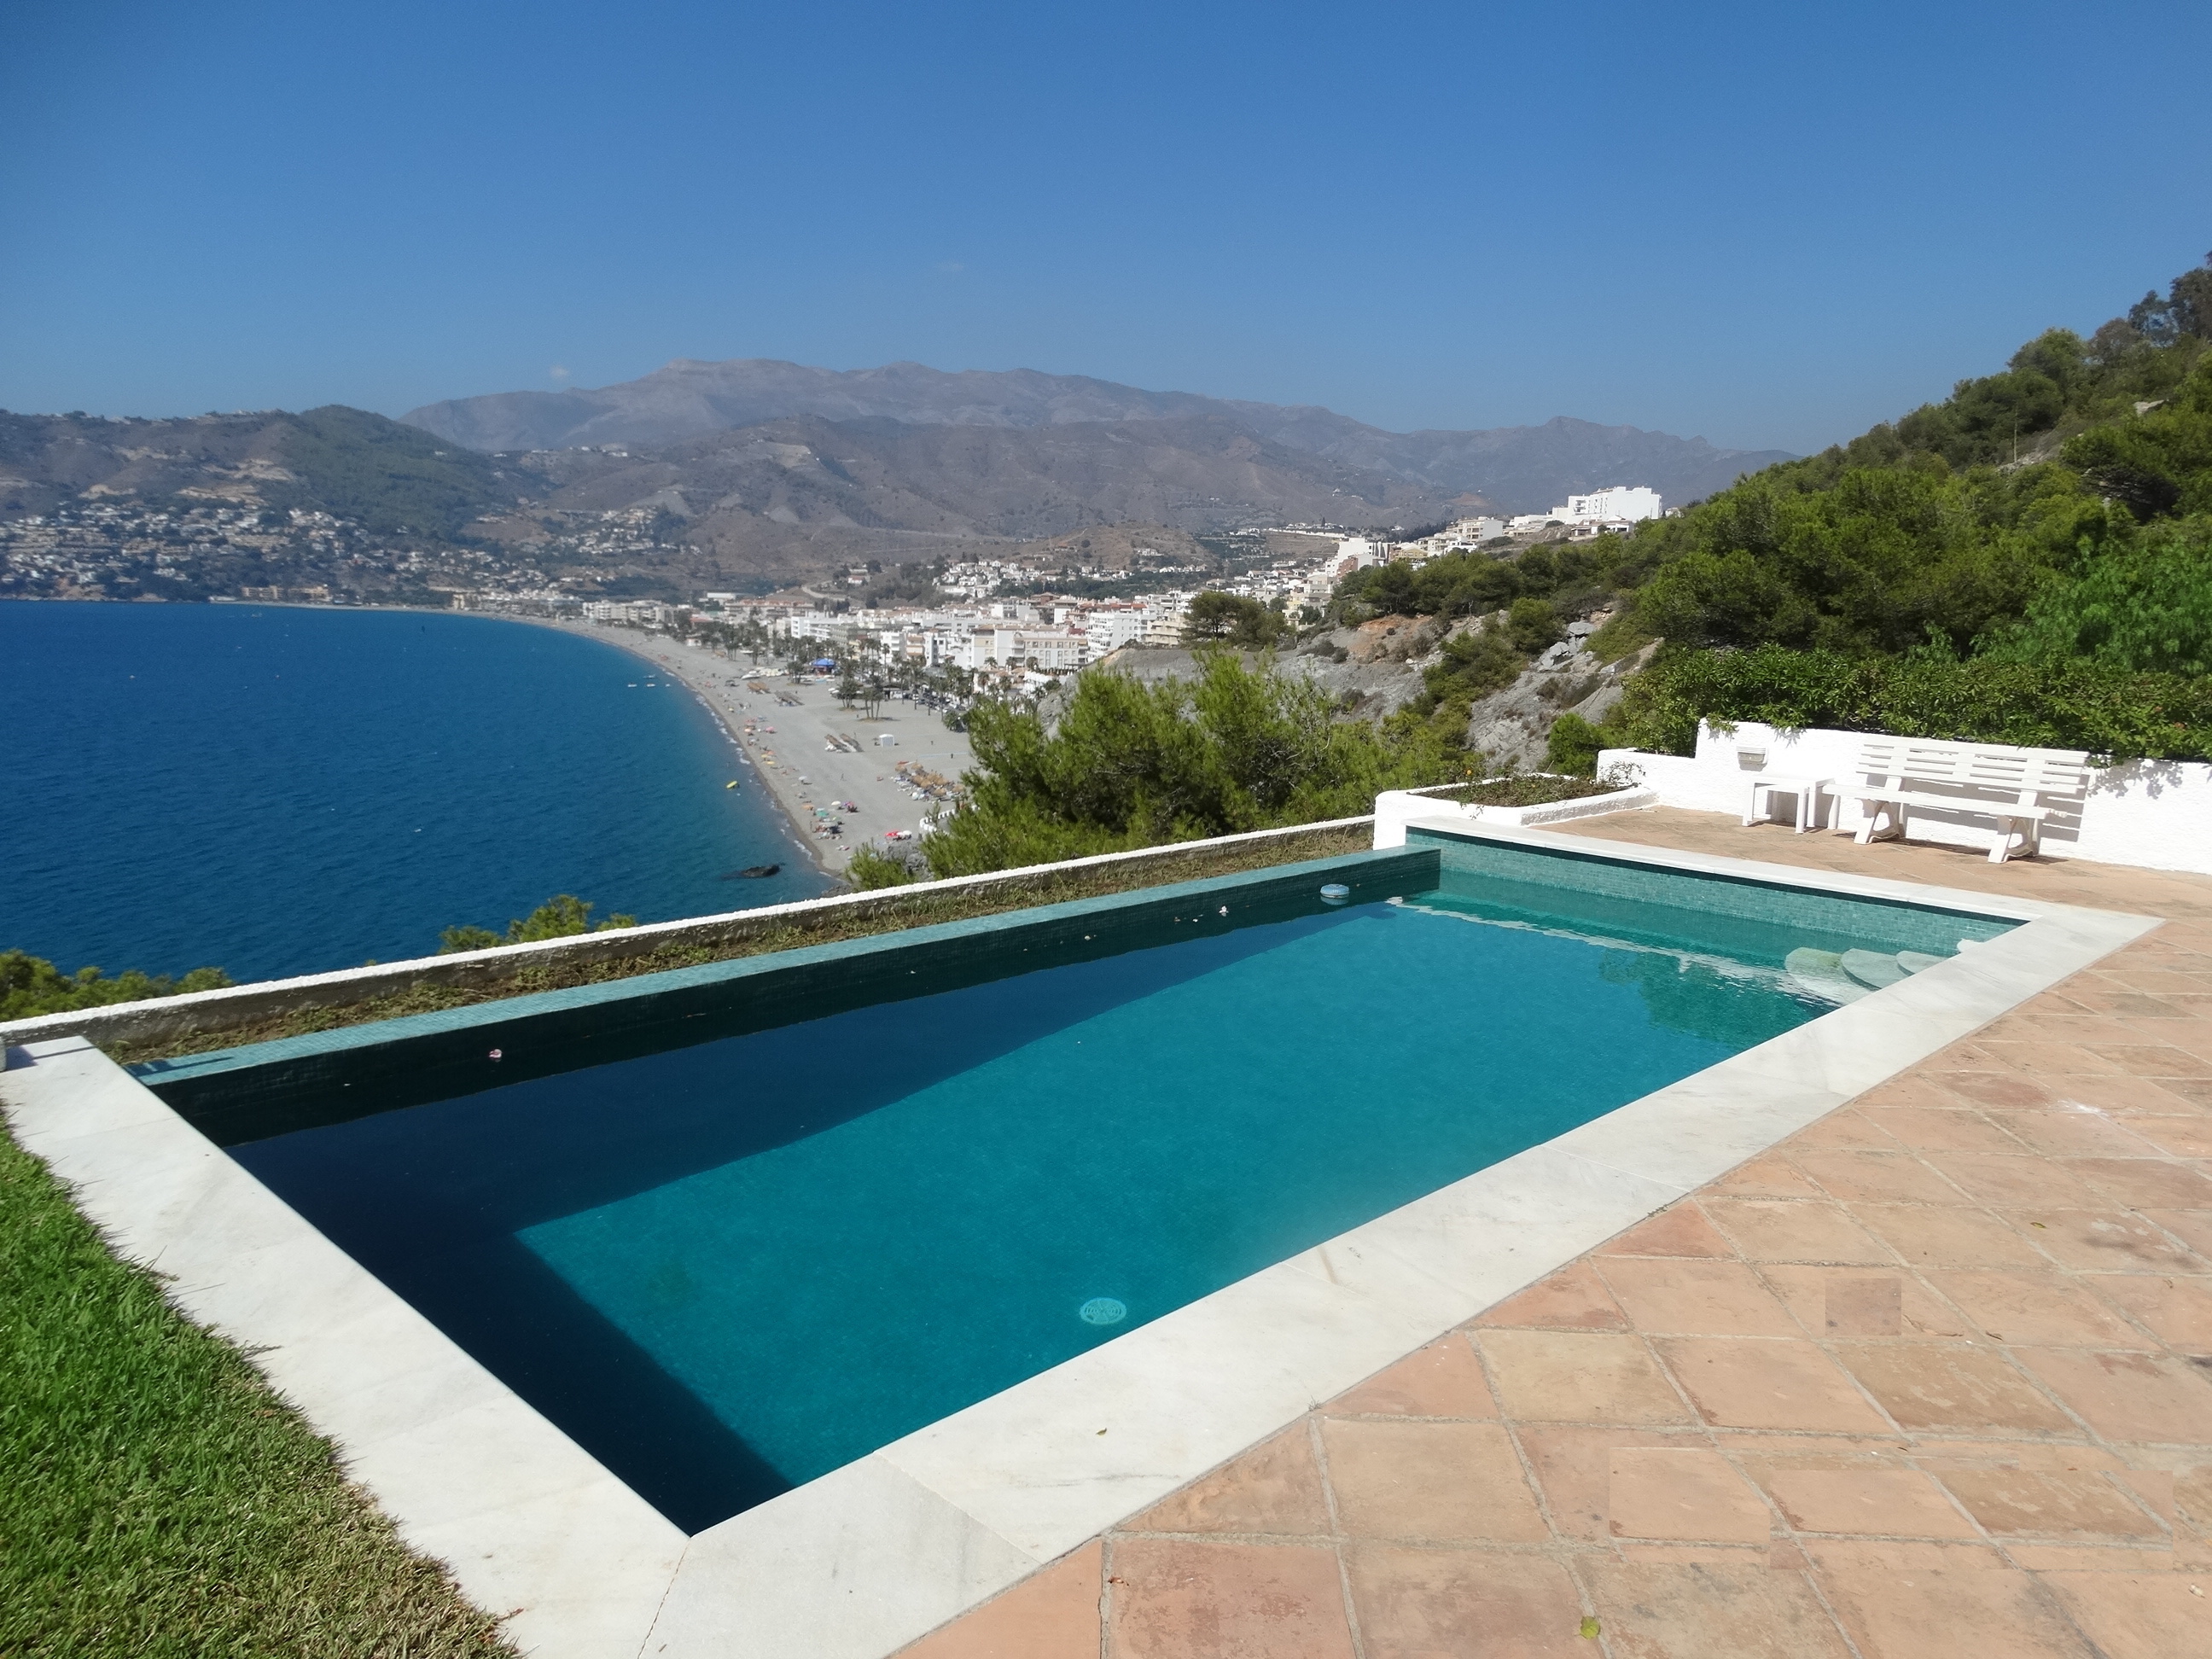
1622	503
1110	627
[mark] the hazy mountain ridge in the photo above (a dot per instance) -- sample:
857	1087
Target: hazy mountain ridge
1513	469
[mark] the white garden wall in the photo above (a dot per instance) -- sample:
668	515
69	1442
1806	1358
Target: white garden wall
2157	814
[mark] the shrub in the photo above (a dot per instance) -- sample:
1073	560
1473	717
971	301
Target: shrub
31	985
2075	704
1133	765
562	916
1572	746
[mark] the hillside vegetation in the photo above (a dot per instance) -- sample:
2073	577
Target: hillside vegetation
2029	561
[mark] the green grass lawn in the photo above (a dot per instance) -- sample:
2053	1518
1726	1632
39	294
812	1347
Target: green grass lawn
156	1497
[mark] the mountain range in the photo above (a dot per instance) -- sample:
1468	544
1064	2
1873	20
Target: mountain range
751	474
1226	461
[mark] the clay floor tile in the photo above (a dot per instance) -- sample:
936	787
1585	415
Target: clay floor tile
2047	1057
2014	1305
1842	1130
1718	1555
1441	1379
2056	1027
1574	1469
1926	1128
2178	1311
2042	1503
2105	1242
2122	1097
1193	1599
1469	1603
1275	1488
2146	1182
2152	1058
1702	1610
1907	1092
1781	1230
1844	1302
1941	1615
1991	1178
1900	1503
1767	1176
2192	1496
1051	1614
1578	1376
1876	1177
1879	1555
1574	1299
2193	1033
2192	1227
1749	1382
2000	1089
1761	1455
1936	1235
1938	1455
2138	1397
1430	1481
2156	981
2101	1557
2075	1134
2177	1137
2118	1003
1939	1386
2138	1616
1688	1495
1696	1298
1677	1230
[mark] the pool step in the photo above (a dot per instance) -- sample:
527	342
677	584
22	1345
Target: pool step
1821	974
1847	976
1872	968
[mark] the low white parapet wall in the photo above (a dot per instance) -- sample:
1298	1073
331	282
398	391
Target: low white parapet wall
1396	808
496	968
2155	814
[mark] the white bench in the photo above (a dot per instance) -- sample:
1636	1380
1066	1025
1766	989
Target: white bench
1992	780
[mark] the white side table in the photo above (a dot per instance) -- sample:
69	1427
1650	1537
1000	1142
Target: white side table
1808	791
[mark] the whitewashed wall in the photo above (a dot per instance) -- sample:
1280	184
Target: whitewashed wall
2157	814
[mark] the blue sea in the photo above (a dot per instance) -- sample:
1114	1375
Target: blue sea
273	791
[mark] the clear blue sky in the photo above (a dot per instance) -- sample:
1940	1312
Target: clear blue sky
1769	225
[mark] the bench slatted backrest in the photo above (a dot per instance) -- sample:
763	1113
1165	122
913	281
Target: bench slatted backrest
1903	763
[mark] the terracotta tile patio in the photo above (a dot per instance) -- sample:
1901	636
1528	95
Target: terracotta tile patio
1932	1377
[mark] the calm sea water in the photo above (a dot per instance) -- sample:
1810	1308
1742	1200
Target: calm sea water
275	790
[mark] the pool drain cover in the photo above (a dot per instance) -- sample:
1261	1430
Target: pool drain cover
1102	1310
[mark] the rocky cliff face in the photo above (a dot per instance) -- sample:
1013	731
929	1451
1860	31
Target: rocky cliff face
1513	727
1374	670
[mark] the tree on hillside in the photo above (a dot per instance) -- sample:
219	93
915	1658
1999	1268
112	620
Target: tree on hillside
1135	765
1233	619
560	917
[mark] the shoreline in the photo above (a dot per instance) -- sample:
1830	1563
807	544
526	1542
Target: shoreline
787	748
797	767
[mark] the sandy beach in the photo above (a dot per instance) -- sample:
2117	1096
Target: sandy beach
806	751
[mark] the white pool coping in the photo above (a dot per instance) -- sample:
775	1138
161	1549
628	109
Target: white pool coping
869	1558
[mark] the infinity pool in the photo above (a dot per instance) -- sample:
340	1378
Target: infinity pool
728	1268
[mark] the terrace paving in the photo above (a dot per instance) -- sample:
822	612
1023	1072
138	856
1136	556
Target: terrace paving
1932	1376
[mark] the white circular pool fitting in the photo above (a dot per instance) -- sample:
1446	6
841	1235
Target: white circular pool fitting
1334	892
1102	1310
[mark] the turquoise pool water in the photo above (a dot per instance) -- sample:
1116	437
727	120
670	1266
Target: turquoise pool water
730	1267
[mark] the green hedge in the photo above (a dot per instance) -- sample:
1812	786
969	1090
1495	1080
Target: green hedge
2110	711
